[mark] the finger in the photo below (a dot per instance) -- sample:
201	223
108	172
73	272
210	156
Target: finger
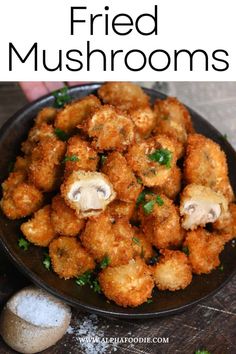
53	86
33	90
75	83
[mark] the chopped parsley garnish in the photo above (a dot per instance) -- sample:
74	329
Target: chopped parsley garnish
221	268
95	286
47	261
202	352
136	241
61	97
23	243
142	195
103	159
148	207
185	250
72	158
162	156
149	301
105	262
84	278
159	201
61	134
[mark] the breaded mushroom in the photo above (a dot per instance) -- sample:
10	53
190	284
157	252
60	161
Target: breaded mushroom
21	164
173	271
75	113
127	285
36	134
45	169
110	129
69	259
161	221
106	236
144	120
39	230
172	185
206	164
80	156
200	205
19	199
122	177
88	193
64	219
204	249
46	115
173	119
153	160
124	95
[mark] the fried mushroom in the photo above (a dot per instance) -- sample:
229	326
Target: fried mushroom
144	120
127	285
122	177
201	205
88	193
69	259
173	271
39	230
204	249
106	236
64	219
206	164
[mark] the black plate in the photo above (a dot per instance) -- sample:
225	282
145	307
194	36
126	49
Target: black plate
30	262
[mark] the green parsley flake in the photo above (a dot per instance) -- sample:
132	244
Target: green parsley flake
148	207
139	181
136	241
159	201
149	301
72	158
84	278
23	243
95	286
142	195
162	156
221	268
185	250
105	262
62	97
61	134
202	352
103	159
47	261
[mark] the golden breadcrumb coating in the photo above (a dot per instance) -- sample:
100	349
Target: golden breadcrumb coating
173	271
45	168
127	285
20	199
46	115
75	113
80	156
122	177
162	224
64	219
69	259
172	186
36	134
226	224
141	245
144	120
152	173
124	95
110	129
39	229
204	250
106	236
21	164
119	209
200	205
206	164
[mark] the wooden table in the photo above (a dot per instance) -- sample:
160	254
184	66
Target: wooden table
211	324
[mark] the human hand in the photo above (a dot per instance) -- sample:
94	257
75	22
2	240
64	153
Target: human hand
34	90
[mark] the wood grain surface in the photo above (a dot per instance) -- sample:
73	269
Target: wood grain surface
210	325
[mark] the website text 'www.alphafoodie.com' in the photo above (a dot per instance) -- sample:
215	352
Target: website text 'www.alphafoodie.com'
121	340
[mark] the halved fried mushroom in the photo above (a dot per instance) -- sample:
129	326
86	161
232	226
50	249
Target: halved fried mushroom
88	193
201	205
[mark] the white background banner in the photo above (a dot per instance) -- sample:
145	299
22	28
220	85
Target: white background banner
189	40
